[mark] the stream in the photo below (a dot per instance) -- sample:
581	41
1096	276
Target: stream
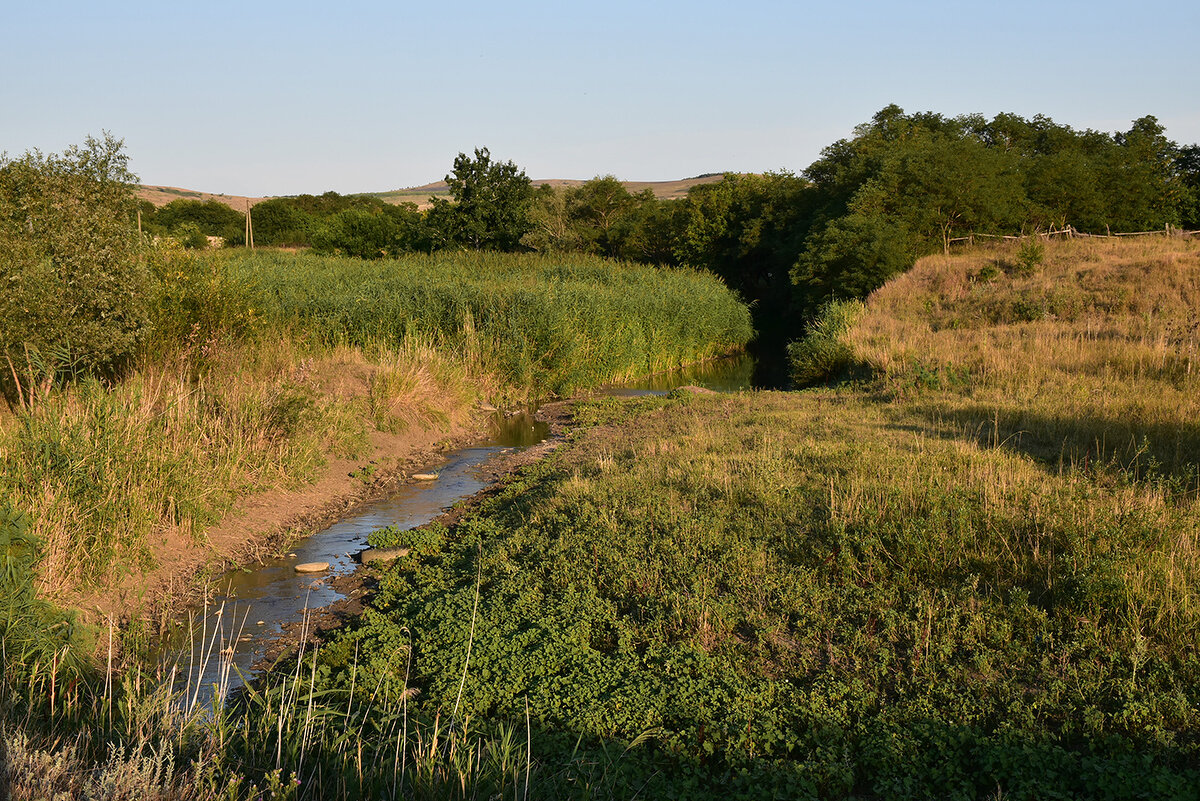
225	642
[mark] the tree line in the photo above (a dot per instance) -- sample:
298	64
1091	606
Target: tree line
902	186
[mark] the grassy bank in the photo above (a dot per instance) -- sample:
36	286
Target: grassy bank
971	574
881	590
1092	353
254	370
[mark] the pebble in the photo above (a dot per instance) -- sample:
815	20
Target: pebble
425	476
312	567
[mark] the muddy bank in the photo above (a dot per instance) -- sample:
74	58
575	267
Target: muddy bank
264	524
354	587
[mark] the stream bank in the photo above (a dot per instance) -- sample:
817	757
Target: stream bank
253	615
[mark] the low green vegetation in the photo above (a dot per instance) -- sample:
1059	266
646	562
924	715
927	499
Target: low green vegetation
804	596
881	590
543	324
970	572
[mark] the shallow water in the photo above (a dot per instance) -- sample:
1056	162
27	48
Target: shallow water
252	606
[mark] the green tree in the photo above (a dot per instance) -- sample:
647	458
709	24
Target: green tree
491	208
749	230
1140	180
74	287
208	217
282	221
851	257
371	233
944	186
648	231
1187	167
551	228
595	207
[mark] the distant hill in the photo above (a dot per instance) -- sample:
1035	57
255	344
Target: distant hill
162	195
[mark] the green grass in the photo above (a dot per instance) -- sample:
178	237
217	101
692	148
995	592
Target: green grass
545	325
811	596
925	585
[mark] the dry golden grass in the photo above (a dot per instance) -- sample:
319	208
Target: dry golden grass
110	475
1094	354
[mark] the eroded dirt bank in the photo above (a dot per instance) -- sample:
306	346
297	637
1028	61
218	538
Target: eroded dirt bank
263	525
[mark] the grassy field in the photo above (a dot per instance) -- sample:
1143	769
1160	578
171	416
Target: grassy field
898	589
971	573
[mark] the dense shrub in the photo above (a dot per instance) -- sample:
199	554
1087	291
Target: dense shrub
74	290
371	233
824	354
206	218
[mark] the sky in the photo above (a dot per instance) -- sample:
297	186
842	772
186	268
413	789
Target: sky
269	98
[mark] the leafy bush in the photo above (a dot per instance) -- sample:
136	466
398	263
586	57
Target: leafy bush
191	237
370	233
73	284
1030	256
206	217
824	354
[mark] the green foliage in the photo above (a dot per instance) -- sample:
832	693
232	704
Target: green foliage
35	637
853	256
1187	167
794	610
74	288
282	221
544	324
195	305
1030	255
191	237
823	355
183	218
490	209
371	233
906	185
602	217
748	229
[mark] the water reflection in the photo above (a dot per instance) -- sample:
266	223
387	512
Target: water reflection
737	373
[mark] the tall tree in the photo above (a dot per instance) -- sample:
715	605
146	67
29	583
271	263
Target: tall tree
491	205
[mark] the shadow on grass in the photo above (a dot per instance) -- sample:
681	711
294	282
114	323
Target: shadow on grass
1166	454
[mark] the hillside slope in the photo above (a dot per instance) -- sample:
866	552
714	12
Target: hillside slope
1093	353
162	195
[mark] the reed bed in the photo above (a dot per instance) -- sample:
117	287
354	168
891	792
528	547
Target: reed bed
542	324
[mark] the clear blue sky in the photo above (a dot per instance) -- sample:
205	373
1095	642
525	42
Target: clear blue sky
269	98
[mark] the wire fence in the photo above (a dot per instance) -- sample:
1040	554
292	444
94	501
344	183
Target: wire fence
1070	232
